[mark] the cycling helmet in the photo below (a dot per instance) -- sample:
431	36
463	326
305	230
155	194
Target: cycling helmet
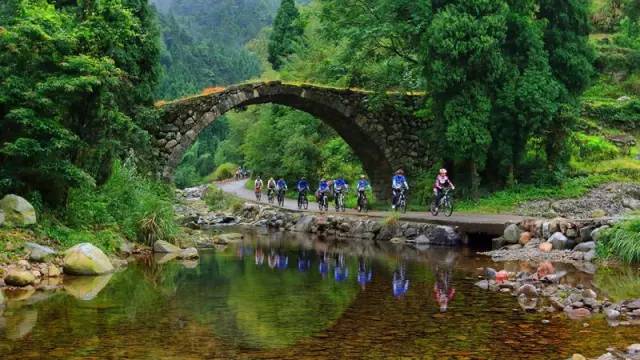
362	177
303	178
443	171
323	180
400	172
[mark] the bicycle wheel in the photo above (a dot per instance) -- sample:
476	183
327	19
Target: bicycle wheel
434	209
447	207
403	207
365	205
299	202
305	203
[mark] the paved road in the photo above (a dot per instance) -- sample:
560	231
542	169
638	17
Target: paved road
490	224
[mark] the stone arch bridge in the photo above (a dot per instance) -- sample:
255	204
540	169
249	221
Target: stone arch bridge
382	136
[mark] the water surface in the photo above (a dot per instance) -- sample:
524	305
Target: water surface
289	296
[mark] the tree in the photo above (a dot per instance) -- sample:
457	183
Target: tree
287	33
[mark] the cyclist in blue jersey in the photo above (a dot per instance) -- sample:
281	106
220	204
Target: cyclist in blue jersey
281	185
398	184
302	187
339	186
363	184
303	262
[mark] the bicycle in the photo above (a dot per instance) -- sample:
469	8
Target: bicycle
445	204
340	200
303	202
363	203
323	202
401	202
270	195
281	197
258	194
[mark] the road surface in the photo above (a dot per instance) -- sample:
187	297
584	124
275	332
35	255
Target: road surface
474	223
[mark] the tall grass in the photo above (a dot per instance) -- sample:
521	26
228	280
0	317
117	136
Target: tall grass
622	241
219	200
128	206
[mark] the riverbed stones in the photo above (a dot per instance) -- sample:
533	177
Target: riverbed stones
585	246
86	259
528	290
19	277
512	234
597	233
577	314
188	254
558	241
612	314
162	246
39	253
525	237
17	211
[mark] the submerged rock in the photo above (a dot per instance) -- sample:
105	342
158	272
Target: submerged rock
17	211
189	253
86	259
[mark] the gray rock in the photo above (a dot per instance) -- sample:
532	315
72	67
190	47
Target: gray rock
528	290
162	246
482	284
1	217
559	241
631	203
86	259
39	253
595	234
304	224
585	233
497	243
514	247
585	246
612	314
512	234
421	239
410	232
590	255
633	349
490	273
444	235
17	211
189	253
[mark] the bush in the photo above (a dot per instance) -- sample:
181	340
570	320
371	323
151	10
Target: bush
223	172
625	115
622	241
128	204
219	200
594	148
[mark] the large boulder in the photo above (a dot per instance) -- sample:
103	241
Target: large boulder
512	234
18	277
86	259
444	235
17	211
558	241
304	224
39	253
162	246
585	233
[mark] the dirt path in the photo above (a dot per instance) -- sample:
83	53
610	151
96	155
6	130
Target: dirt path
490	224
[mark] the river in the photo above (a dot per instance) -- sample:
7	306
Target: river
290	296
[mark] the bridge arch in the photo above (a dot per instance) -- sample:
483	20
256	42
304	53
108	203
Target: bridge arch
342	109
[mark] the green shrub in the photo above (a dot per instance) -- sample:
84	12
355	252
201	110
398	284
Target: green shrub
622	241
137	208
594	148
219	200
223	172
620	114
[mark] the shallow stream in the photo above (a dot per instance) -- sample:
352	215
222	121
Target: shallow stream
290	296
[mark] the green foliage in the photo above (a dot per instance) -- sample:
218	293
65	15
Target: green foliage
219	200
74	78
286	34
129	204
625	115
594	148
618	284
223	172
622	241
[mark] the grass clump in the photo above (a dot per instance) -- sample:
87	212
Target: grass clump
223	172
217	199
622	241
392	219
595	148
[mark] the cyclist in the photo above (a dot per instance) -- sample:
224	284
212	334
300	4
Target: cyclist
323	188
271	186
281	185
303	187
257	186
442	182
339	186
398	184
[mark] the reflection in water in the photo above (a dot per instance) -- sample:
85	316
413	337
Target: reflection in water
233	305
86	287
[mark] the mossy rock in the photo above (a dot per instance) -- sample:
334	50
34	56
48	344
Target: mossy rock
17	211
86	259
